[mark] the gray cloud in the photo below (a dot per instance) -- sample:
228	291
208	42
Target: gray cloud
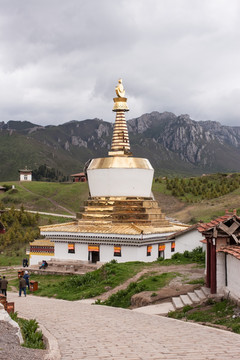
60	60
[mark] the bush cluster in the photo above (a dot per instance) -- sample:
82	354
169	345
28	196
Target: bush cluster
197	255
45	173
204	187
21	228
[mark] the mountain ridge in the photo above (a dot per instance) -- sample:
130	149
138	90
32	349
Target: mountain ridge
173	144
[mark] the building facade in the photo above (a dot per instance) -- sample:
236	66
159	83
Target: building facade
25	175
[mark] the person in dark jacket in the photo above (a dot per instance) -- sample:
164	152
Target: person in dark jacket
4	284
26	277
25	262
22	286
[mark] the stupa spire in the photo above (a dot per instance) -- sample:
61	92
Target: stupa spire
120	141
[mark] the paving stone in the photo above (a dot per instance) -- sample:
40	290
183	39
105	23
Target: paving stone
193	297
177	302
85	331
200	294
186	300
206	291
158	309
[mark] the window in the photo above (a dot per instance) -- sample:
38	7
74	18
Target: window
71	248
117	251
172	246
149	250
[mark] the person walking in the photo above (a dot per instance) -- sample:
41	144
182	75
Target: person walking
4	284
22	286
26	277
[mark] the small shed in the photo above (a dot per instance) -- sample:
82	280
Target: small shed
223	253
80	177
25	174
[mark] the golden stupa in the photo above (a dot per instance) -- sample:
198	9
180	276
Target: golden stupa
121	210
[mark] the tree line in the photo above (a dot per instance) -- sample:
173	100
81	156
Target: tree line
204	187
45	173
21	228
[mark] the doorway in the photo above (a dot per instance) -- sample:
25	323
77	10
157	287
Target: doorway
95	256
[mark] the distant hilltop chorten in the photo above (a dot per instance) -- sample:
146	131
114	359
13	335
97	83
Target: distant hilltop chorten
120	174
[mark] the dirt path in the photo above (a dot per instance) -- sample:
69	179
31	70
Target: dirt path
49	199
177	286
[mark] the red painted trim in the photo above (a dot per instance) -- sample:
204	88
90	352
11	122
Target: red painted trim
213	269
208	275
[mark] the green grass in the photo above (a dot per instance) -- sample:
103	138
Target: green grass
14	259
95	283
91	284
200	281
69	195
217	313
151	283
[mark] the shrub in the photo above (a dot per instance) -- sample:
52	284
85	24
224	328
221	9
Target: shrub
32	337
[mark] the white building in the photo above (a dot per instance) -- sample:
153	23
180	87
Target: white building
223	255
25	174
121	220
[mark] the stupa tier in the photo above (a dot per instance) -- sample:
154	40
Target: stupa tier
140	211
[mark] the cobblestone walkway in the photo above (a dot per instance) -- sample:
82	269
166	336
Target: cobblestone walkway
85	331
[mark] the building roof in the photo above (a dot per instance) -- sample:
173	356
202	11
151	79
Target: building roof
79	174
183	231
233	250
42	242
25	170
110	228
222	219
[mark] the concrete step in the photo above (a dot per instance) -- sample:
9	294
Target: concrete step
206	290
177	303
200	294
157	309
186	300
193	297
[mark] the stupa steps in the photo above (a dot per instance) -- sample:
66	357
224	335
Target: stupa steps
125	216
134	210
139	222
121	203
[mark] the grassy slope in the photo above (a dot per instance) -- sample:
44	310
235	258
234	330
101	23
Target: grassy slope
188	213
69	195
72	196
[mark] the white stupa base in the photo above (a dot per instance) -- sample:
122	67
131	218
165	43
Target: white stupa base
120	177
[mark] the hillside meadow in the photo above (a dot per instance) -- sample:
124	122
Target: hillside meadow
46	196
178	198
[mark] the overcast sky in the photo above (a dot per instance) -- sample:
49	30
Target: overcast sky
60	60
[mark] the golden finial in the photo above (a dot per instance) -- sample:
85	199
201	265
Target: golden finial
120	89
120	141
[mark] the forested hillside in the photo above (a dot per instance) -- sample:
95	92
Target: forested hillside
175	145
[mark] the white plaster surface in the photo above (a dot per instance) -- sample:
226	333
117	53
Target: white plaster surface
25	177
120	182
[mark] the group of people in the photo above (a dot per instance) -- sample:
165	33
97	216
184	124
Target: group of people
23	284
3	285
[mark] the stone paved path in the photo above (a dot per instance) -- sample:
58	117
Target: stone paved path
85	331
